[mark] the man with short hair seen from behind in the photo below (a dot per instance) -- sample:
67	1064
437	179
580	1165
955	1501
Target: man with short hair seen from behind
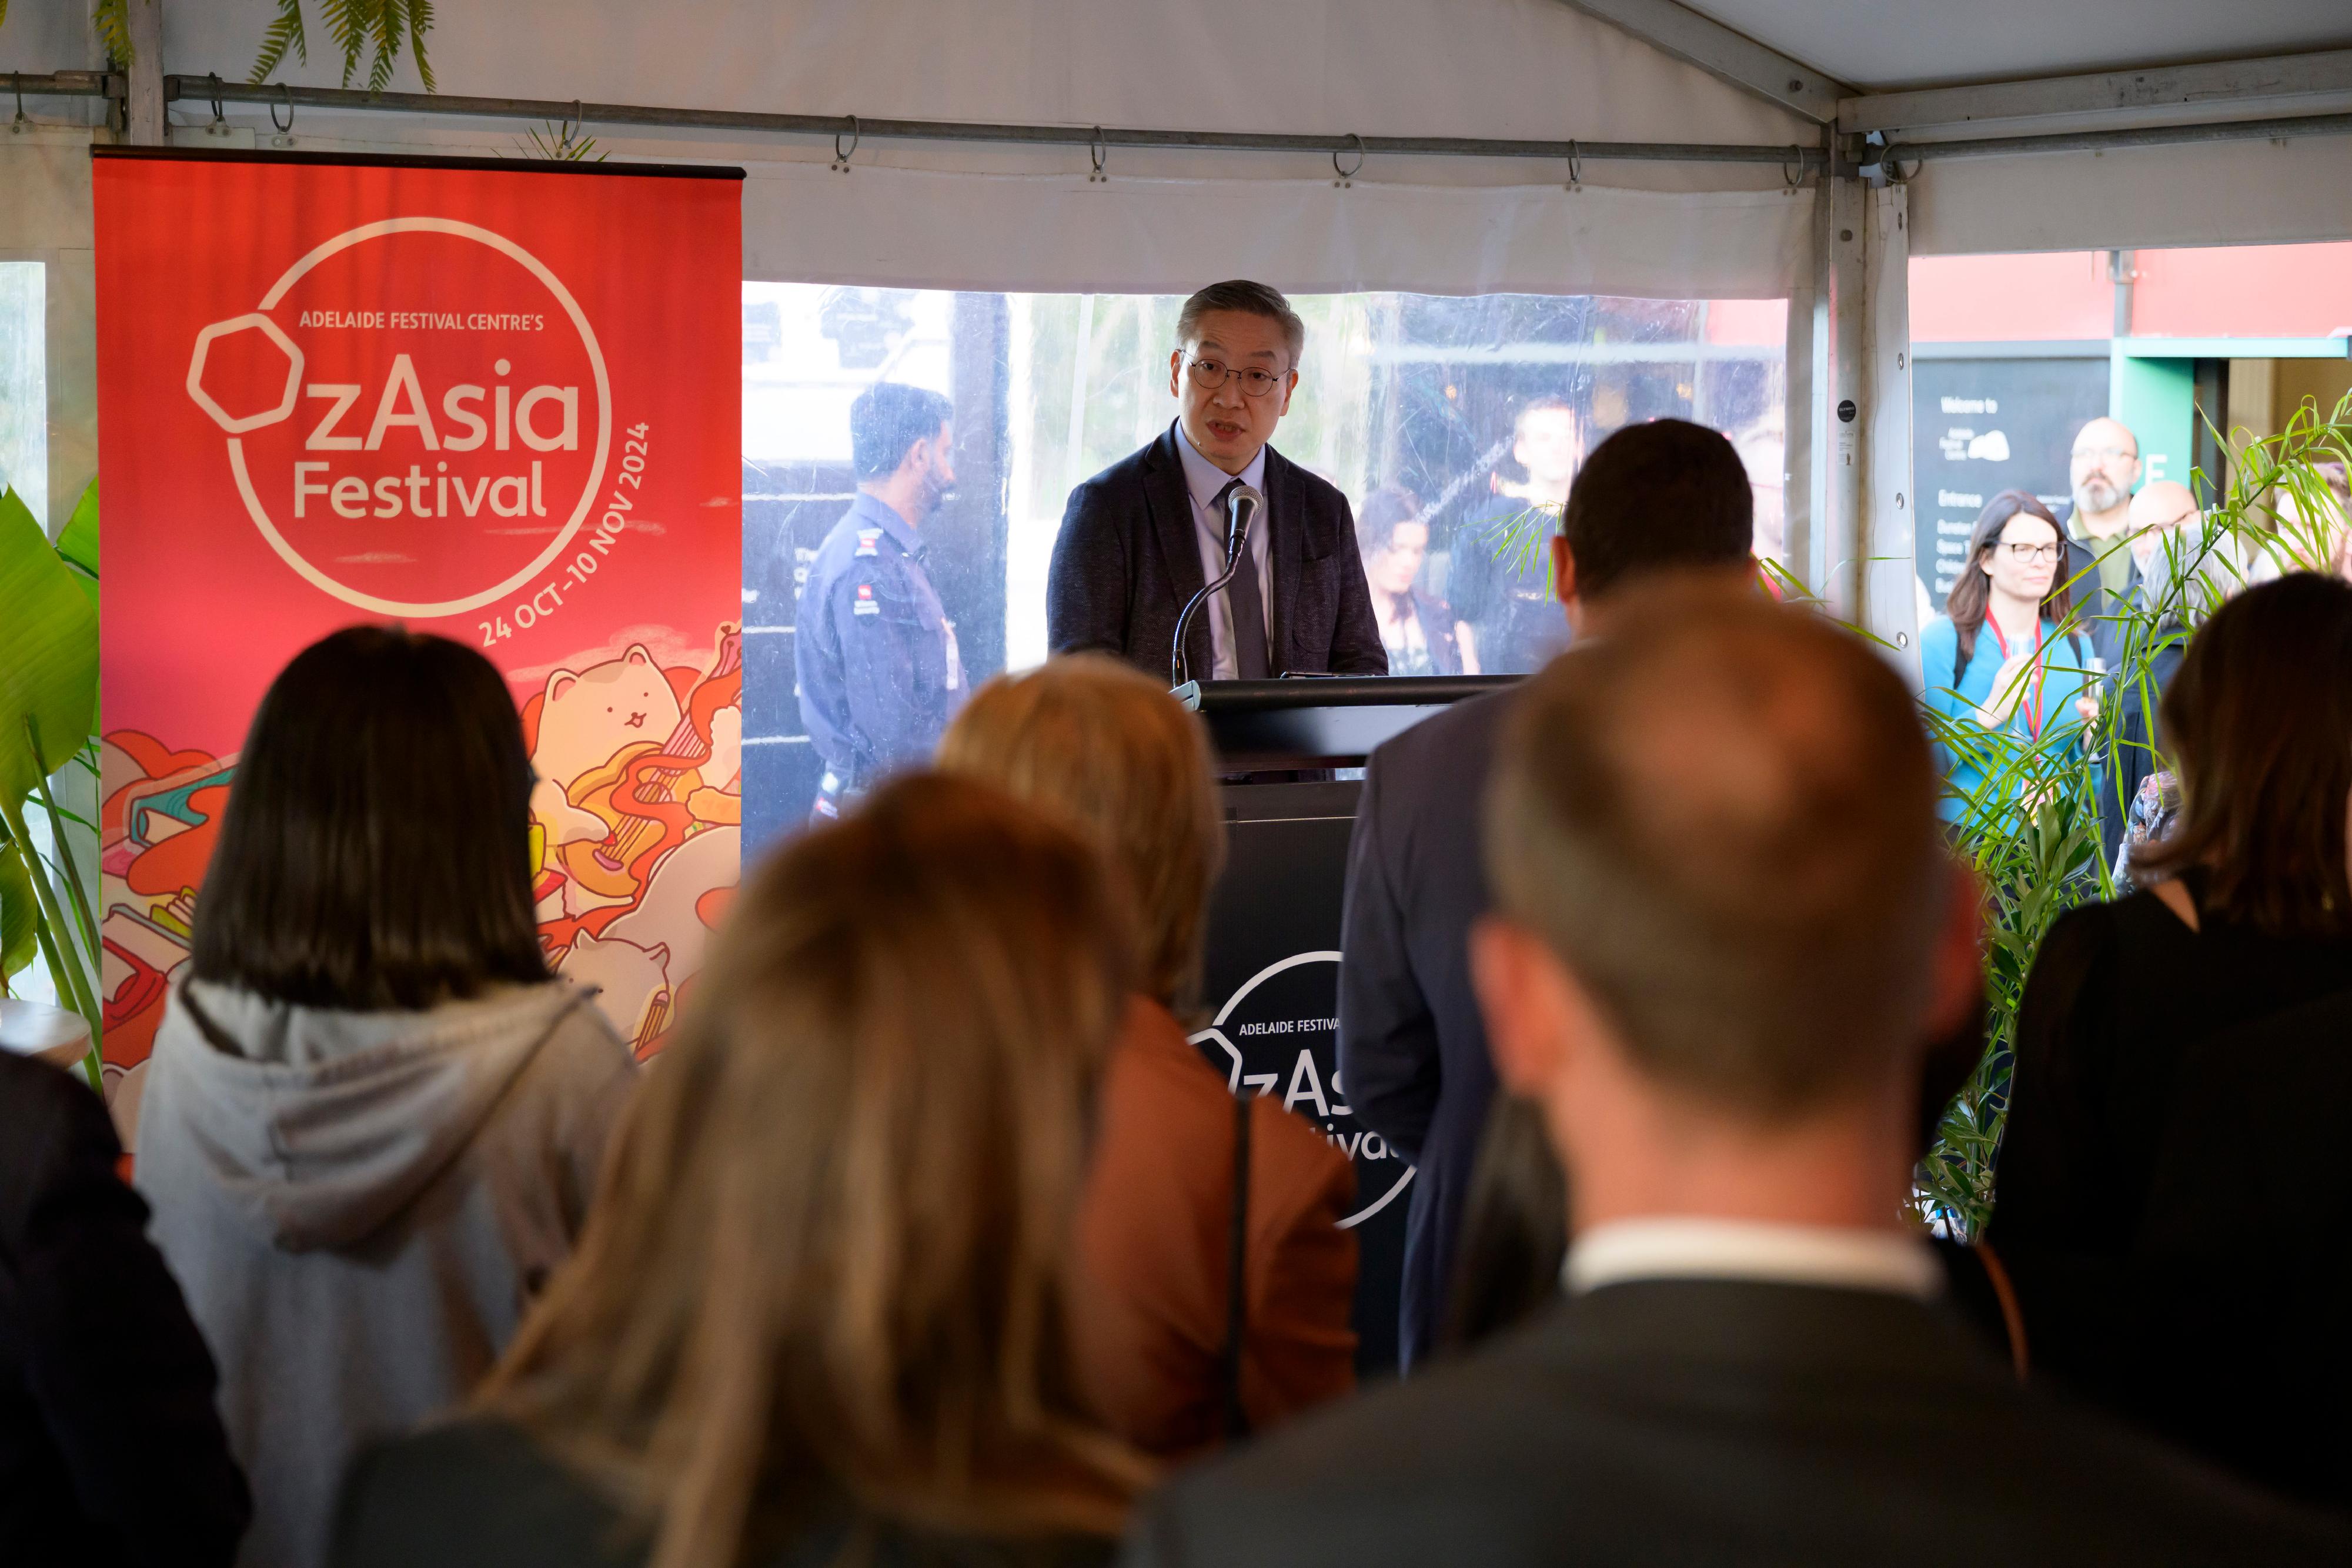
1728	926
878	668
1659	496
1142	536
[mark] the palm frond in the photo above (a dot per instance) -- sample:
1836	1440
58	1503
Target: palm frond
387	24
420	22
347	24
111	18
283	33
559	144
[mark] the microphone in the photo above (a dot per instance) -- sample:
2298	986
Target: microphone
1241	506
1242	509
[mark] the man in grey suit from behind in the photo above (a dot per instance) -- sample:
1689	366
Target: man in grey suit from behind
1142	536
1727	926
1666	496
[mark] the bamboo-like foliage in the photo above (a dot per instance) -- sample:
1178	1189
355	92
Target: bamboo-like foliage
378	29
2030	828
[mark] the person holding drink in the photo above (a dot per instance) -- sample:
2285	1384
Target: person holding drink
2006	656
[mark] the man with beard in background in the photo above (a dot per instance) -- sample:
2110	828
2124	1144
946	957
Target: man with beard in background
877	665
2105	469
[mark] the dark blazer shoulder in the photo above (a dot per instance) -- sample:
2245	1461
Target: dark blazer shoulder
1456	746
52	1128
1529	1447
484	1494
1319	491
1129	471
474	1494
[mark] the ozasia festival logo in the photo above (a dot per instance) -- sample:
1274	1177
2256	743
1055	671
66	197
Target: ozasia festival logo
417	417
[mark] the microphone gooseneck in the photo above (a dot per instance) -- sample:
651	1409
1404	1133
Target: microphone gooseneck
1242	504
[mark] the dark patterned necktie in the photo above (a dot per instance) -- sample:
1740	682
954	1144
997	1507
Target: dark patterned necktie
1247	603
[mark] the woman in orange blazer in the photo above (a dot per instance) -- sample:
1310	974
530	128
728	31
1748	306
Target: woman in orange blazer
1103	748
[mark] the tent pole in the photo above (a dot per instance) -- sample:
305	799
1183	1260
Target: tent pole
1888	567
1841	396
2108	140
823	125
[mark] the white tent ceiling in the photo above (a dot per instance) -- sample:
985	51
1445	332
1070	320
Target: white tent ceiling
1884	44
955	215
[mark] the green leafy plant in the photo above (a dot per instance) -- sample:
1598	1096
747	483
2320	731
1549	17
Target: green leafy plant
377	30
2032	829
48	713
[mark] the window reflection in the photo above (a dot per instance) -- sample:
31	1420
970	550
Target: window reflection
1454	425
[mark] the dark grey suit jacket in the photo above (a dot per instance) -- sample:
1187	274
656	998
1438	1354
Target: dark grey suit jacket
1412	1046
1127	559
1718	1422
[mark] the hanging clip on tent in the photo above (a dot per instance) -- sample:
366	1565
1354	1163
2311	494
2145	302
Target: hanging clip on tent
1348	176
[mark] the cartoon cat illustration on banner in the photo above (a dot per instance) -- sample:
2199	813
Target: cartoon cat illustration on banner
635	839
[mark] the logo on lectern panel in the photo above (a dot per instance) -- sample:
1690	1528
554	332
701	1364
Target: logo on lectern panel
1278	1035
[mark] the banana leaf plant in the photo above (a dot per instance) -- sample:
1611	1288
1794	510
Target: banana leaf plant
2031	828
49	716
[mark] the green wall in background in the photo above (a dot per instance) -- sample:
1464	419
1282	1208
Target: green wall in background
2156	399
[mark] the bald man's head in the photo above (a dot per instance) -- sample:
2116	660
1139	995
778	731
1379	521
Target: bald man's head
2163	504
2104	467
1721	819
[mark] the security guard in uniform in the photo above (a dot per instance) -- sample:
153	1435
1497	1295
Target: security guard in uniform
879	672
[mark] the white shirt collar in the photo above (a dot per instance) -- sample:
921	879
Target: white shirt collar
1204	478
1692	1247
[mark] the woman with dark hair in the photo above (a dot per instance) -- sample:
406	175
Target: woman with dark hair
2005	657
1419	630
819	1316
372	1117
2168	1109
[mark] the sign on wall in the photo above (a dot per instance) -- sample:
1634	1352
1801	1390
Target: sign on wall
498	404
1981	426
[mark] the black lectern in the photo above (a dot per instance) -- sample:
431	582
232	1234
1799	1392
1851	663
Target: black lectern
1270	983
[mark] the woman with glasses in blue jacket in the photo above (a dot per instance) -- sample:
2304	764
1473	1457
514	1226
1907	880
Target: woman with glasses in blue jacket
2006	670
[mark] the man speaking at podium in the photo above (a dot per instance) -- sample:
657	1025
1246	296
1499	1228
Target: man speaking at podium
1142	536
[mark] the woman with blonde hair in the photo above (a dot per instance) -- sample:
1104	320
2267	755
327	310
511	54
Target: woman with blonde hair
1177	1347
818	1314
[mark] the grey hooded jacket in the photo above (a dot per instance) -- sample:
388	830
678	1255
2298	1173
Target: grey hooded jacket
360	1207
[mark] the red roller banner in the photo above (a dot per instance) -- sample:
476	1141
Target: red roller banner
500	405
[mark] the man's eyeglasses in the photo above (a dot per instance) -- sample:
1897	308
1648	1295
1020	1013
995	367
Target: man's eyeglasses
1211	374
2030	552
2096	454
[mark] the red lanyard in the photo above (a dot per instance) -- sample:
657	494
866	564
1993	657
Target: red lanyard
2035	719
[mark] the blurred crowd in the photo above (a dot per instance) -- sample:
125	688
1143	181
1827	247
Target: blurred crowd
933	1240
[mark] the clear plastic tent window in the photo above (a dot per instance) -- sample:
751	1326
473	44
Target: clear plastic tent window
1452	424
